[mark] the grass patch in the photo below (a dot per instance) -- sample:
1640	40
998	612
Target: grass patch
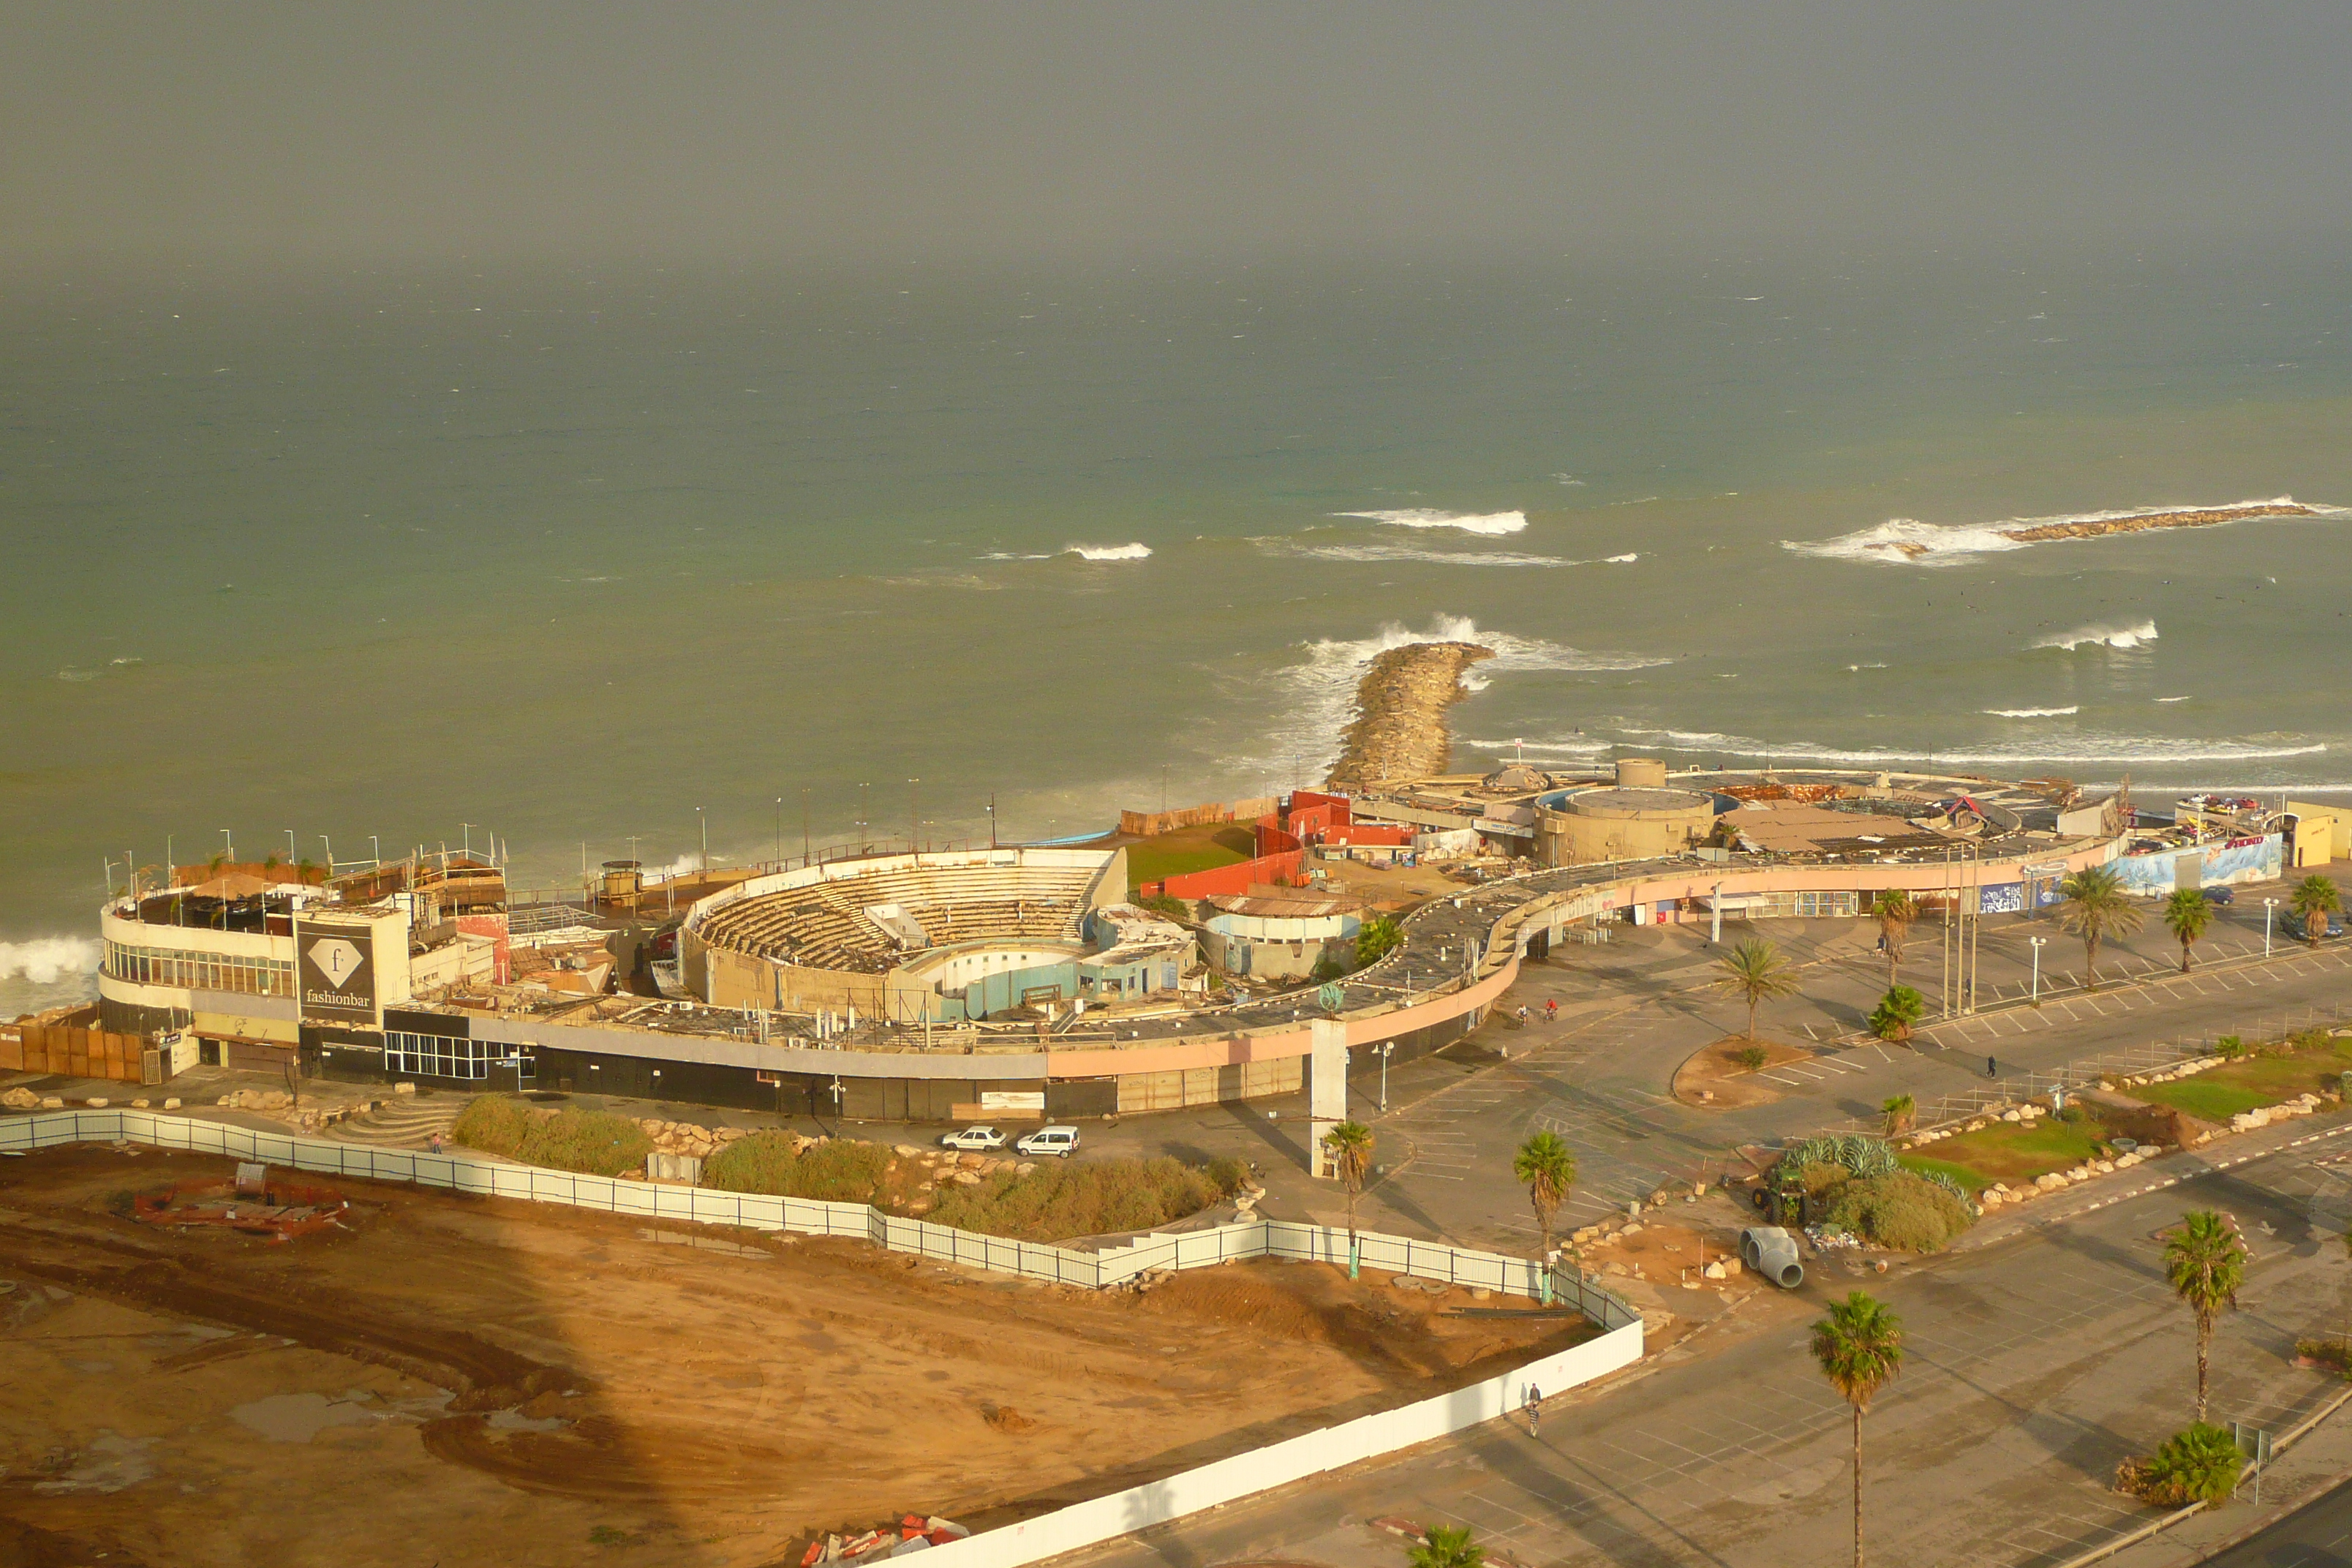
595	1143
1973	1180
2011	1152
1202	848
2223	1092
1091	1197
840	1171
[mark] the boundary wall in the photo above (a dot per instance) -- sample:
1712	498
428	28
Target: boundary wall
1064	1530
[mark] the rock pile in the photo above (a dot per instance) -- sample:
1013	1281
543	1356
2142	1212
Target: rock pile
2001	1193
1401	703
698	1142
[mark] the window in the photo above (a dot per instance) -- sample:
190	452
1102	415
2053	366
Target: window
435	1056
200	970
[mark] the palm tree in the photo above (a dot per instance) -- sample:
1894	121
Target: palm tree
1895	912
1546	1165
2187	913
2315	898
2205	1263
1900	1111
1349	1145
1755	971
1860	1347
1447	1546
2093	906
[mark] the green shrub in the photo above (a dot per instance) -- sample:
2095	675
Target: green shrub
1896	1011
596	1143
2230	1045
2199	1463
1901	1209
1377	939
838	1171
1752	1057
1091	1197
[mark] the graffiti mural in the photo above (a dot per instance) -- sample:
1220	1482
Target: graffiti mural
2001	899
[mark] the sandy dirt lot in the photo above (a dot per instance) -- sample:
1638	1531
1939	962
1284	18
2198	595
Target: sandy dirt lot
464	1381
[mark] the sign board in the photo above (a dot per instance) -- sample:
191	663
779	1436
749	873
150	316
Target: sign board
1013	1099
335	970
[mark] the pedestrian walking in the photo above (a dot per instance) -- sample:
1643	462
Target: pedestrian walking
436	1142
1992	1067
1535	1399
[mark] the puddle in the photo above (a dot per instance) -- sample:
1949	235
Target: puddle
516	1421
300	1418
111	1463
703	1243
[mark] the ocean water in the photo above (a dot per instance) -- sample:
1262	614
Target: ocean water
560	557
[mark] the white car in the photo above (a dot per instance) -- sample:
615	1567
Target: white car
972	1138
1062	1141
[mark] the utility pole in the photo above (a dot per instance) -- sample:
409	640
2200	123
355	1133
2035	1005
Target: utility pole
804	825
780	833
915	819
704	823
991	819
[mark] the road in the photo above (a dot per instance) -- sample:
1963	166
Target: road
2039	1356
2318	1535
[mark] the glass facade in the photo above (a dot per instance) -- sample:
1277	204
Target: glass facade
200	970
435	1056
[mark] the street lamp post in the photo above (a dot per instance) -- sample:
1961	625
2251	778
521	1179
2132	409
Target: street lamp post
704	823
2269	905
2037	941
1714	903
1386	1046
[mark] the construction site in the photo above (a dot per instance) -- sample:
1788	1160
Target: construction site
518	1385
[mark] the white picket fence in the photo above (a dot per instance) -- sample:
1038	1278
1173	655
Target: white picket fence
1064	1530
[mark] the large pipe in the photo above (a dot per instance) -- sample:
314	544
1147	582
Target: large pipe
1772	1251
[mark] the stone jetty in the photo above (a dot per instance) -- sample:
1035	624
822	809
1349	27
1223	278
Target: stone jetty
1399	726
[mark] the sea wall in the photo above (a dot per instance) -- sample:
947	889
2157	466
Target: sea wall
1400	727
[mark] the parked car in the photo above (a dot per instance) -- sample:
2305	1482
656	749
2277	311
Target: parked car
1062	1141
2220	895
973	1138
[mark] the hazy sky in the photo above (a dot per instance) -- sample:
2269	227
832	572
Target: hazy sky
413	131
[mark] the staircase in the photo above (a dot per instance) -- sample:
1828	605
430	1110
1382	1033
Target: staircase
404	1122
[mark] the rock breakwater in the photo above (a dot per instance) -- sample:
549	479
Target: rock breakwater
1399	726
2128	523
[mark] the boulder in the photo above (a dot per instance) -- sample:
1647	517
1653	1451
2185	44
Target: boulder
20	1100
53	1102
905	1152
1715	1271
404	1089
965	1178
1989	1199
173	1103
1633	1230
97	1103
2012	1116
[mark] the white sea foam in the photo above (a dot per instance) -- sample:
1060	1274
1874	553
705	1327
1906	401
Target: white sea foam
2033	712
1494	524
71	674
1622	560
2172	700
2100	634
46	960
1957	544
2120	749
1386	553
1108	552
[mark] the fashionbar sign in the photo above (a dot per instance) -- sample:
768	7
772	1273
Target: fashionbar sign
336	967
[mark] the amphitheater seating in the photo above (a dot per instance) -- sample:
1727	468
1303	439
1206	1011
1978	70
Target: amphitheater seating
824	926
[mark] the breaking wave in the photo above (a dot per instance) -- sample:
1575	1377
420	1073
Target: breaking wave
1904	541
1108	552
2033	712
2101	634
46	960
1406	553
1493	524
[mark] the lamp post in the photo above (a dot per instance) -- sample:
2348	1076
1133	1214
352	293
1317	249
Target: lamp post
1386	1046
2037	941
780	833
2269	905
704	823
1714	906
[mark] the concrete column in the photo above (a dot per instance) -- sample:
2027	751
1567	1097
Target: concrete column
1327	1090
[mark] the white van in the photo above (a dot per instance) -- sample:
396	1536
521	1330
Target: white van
1062	1141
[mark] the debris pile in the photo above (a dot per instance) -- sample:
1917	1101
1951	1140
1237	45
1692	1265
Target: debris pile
912	1532
253	1205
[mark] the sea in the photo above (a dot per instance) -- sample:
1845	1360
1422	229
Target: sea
588	562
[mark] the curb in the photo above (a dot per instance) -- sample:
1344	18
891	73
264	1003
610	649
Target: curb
2149	1531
